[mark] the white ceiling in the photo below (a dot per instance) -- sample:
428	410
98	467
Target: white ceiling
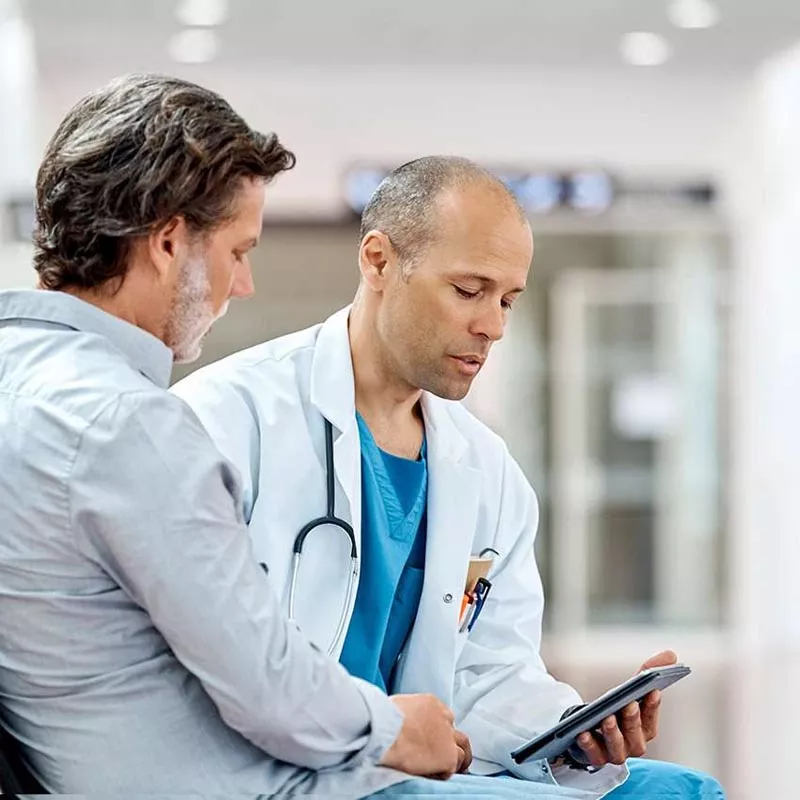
123	35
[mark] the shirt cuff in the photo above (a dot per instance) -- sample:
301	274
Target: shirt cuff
597	783
386	720
600	782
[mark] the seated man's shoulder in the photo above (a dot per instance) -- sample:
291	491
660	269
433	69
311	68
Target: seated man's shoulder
134	422
81	380
153	409
148	433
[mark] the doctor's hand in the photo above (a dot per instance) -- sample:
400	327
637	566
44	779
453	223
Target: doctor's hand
427	745
626	735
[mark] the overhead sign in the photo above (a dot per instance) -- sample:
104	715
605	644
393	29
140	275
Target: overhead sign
538	192
583	191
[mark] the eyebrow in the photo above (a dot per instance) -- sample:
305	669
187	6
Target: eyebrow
250	243
486	281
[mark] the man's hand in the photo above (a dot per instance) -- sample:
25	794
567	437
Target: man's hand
627	734
464	754
428	745
464	751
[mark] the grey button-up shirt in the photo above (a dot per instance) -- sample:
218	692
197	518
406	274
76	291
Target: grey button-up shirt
141	645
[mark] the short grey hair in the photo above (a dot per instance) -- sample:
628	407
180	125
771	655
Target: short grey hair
404	205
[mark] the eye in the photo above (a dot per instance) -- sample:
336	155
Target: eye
507	304
464	293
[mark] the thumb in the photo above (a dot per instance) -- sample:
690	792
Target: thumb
665	658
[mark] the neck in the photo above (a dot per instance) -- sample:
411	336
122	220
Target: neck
129	301
382	396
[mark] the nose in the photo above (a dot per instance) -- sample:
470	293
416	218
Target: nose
491	323
243	286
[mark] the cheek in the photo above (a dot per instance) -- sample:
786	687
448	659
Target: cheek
453	313
438	316
222	274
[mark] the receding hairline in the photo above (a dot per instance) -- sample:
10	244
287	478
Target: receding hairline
448	197
409	202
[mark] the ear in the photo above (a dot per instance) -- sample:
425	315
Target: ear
376	256
168	246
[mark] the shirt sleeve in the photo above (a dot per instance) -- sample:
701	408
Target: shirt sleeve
154	503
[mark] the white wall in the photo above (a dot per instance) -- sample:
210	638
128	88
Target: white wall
16	270
765	513
17	106
629	121
17	135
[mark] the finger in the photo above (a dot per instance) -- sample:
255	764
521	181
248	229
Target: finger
632	732
614	740
650	710
462	742
665	658
447	774
465	746
595	751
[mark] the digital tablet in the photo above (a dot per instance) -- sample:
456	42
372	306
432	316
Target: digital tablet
562	736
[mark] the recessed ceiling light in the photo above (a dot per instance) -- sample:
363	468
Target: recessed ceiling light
202	13
693	13
645	49
194	46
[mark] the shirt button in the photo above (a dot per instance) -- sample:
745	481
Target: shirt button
448	598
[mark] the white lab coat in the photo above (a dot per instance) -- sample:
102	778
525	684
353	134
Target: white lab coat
265	406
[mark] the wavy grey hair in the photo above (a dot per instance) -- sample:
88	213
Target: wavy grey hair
132	156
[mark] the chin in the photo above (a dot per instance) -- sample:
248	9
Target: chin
449	390
183	357
187	353
458	393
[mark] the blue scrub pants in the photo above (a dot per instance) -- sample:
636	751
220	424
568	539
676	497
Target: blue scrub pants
648	780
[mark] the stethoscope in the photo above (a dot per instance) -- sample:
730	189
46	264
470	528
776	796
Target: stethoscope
330	518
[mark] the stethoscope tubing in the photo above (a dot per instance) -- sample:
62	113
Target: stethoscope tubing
330	518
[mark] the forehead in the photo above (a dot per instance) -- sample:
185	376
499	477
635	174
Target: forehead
482	226
248	208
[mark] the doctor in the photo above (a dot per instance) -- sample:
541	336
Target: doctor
445	251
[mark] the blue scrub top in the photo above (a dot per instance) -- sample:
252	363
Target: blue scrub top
394	495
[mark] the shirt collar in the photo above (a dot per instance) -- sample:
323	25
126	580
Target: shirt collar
144	351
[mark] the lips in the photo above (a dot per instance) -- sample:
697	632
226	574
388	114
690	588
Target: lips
469	364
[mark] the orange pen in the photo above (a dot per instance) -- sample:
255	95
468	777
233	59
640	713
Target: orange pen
464	603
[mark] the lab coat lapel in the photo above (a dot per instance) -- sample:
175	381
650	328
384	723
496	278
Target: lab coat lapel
453	495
